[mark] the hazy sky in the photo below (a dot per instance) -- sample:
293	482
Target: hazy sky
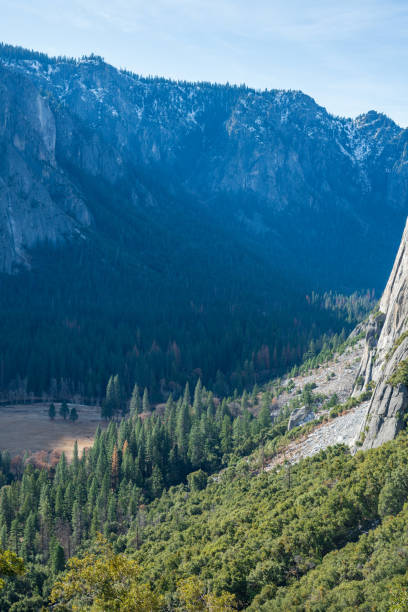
351	56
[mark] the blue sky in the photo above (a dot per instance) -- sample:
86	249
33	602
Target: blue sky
351	56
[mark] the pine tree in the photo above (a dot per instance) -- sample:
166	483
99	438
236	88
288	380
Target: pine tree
61	472
51	412
59	507
157	481
73	415
119	404
127	463
3	537
264	417
195	451
75	460
14	536
69	498
183	427
226	435
238	434
186	396
112	509
57	557
115	468
108	405
146	403
29	535
45	518
76	523
135	406
197	404
64	410
5	508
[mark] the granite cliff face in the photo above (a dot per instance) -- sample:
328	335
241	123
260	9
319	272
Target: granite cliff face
386	348
38	203
285	177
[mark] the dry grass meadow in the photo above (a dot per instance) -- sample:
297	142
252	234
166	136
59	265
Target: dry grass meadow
27	427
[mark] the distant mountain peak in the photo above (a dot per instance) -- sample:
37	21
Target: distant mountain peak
273	159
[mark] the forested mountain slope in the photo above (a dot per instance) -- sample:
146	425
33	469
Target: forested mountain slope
326	533
166	231
211	503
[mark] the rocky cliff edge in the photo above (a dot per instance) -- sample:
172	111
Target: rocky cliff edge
383	362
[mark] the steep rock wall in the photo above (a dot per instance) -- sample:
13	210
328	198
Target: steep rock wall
38	203
384	350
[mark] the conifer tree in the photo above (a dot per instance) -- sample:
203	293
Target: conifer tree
28	539
146	403
195	451
3	537
14	537
264	417
108	405
135	406
73	415
75	459
57	557
197	404
157	481
119	404
76	523
115	468
183	427
51	412
5	508
226	434
64	410
61	472
186	396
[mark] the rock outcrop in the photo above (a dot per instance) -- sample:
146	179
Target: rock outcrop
38	202
302	415
386	348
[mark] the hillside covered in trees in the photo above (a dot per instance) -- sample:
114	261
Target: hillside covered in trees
326	532
170	231
168	250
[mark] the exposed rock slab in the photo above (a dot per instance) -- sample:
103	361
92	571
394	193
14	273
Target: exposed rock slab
381	358
341	430
300	417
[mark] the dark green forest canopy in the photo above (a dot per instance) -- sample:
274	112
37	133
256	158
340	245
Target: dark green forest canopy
71	323
331	525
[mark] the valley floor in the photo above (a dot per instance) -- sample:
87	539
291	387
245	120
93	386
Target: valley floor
28	428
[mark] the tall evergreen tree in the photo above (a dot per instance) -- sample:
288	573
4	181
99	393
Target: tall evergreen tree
73	415
64	410
146	402
135	406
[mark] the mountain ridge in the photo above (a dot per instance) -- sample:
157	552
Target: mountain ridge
222	143
191	211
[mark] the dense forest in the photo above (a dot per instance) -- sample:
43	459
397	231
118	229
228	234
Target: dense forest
47	514
175	253
149	496
74	320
